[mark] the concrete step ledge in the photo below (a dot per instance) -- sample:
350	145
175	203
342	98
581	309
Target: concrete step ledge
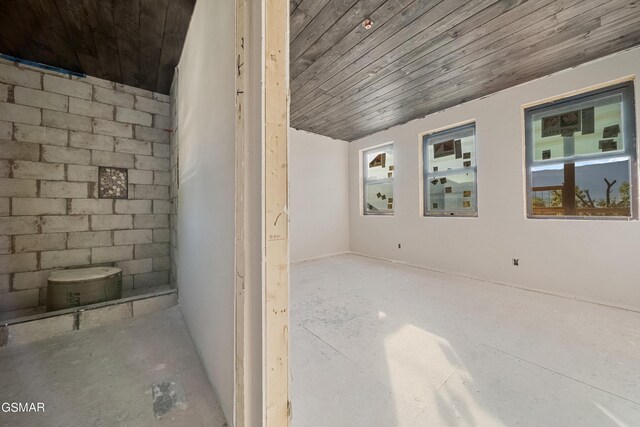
46	325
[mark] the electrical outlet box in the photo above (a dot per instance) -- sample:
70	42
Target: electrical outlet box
516	262
399	245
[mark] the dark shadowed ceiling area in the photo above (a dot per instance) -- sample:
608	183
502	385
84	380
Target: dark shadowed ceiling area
422	56
135	42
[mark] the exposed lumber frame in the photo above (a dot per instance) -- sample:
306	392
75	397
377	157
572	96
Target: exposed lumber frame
262	105
276	225
240	218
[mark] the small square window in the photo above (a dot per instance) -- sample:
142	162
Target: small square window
378	176
449	161
581	154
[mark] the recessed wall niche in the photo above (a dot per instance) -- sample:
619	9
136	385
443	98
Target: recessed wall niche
113	183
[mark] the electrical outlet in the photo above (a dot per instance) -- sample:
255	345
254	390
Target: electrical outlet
399	245
516	262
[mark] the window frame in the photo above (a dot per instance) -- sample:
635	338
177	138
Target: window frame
364	180
628	131
426	174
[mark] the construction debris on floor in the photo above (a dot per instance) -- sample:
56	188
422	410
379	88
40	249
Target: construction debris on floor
139	371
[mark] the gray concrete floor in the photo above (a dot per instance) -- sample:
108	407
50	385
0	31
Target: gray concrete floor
375	343
104	376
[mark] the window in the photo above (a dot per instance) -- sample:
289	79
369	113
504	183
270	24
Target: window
581	156
377	165
449	174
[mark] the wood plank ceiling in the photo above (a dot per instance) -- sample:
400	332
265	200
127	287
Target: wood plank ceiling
135	42
422	56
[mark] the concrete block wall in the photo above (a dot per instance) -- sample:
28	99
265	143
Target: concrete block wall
55	131
173	189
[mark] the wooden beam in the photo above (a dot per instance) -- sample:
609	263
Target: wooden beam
240	219
276	218
569	189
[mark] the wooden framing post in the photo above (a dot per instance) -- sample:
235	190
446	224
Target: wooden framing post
272	120
276	226
240	216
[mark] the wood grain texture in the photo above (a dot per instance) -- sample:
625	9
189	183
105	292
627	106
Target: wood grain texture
175	31
241	154
102	24
79	31
423	56
303	14
521	59
126	15
153	16
276	218
135	42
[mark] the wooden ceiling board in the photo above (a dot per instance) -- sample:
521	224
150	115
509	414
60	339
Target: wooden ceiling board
79	32
153	15
420	56
425	56
302	84
175	31
528	57
389	77
126	18
359	12
134	42
316	58
100	14
300	16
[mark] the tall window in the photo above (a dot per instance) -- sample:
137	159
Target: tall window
377	165
449	161
581	156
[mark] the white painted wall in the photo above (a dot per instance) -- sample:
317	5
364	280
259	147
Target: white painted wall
206	193
590	259
318	195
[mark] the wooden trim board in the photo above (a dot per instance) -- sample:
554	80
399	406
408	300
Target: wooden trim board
240	215
269	57
276	228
